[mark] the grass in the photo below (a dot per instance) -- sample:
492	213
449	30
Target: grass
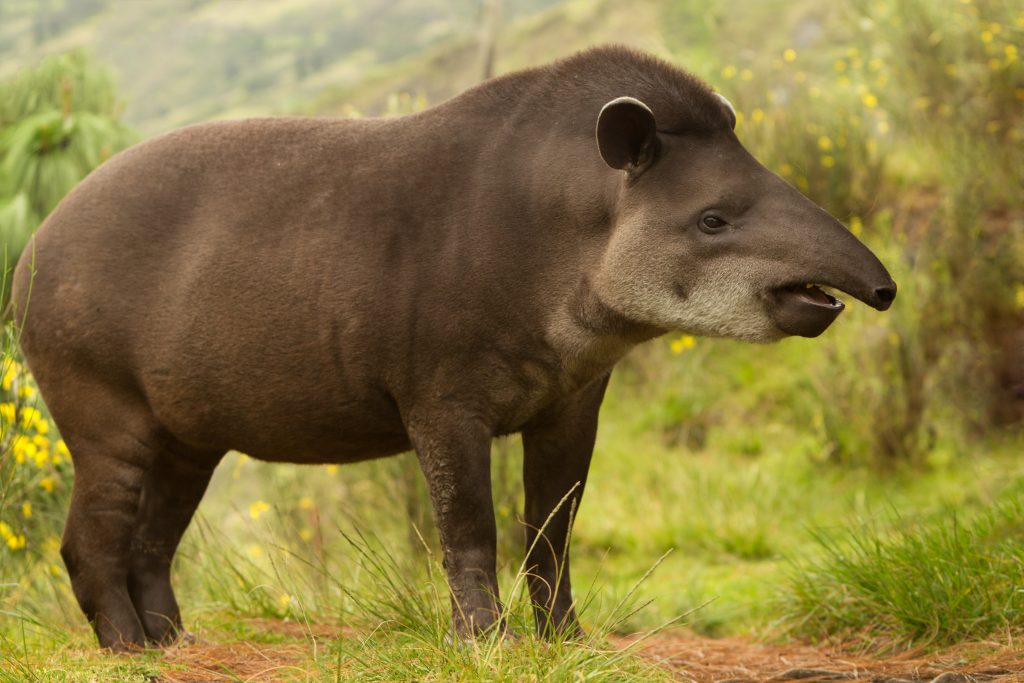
954	577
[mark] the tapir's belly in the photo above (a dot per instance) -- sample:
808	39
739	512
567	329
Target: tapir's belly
278	421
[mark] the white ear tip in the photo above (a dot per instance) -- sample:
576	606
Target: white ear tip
625	99
727	103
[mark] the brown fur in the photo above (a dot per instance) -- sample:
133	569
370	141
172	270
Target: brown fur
316	290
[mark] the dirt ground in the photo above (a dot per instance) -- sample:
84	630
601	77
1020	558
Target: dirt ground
691	657
707	660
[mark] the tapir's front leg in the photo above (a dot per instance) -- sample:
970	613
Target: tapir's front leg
557	447
455	453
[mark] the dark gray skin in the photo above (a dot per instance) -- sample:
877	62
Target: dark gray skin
330	291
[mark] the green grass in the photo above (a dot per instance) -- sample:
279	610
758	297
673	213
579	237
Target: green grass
952	577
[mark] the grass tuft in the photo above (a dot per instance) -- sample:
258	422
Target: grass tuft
936	581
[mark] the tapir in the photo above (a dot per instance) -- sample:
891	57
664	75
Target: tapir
318	290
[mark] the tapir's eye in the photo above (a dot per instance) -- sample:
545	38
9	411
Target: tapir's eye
711	224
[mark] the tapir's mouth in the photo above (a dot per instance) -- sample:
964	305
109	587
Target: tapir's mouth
803	309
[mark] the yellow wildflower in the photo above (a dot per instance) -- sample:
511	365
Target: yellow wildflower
305	533
284	601
332	469
840	65
875	64
29	416
62	449
9	375
24	450
683	343
824	143
950	69
757	116
786	170
255	551
856	225
16	542
869	100
19	450
55	570
46	484
257	509
747	75
7	411
986	36
729	72
1019	296
26	510
789	54
305	503
828	161
1011	53
994	64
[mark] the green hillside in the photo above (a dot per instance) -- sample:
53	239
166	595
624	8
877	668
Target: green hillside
179	61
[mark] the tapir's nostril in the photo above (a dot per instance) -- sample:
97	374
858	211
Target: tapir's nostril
885	295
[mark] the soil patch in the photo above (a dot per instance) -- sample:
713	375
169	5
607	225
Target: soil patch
690	656
710	660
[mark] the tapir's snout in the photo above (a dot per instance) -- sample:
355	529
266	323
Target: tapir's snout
883	296
815	250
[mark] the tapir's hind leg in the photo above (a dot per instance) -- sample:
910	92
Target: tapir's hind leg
128	495
171	491
109	472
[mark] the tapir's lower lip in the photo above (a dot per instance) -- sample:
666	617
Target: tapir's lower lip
804	309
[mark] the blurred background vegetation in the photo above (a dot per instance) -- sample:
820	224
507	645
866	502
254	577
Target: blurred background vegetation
806	488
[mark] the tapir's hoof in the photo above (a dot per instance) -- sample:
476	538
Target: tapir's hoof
186	638
508	636
123	647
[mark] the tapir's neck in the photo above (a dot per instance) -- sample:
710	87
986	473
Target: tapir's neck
591	337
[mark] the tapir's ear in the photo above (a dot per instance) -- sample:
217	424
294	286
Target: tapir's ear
626	134
729	109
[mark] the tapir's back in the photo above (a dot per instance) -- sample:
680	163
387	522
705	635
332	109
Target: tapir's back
227	260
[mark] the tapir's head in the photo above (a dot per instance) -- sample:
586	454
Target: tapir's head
706	240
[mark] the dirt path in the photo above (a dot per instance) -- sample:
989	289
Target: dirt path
707	660
691	657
